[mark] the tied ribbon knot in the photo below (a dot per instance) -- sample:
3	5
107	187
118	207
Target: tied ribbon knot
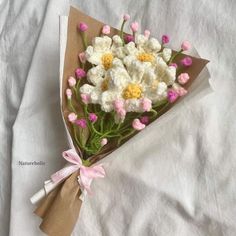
86	175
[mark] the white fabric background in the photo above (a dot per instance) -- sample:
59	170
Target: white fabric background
177	178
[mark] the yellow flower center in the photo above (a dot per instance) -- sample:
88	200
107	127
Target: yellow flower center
107	59
104	85
145	57
132	91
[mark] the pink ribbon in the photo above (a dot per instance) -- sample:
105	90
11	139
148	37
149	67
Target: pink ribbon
87	174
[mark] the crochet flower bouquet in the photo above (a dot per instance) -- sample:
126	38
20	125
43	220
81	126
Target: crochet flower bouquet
113	85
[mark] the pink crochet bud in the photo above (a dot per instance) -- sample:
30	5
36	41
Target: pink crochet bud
106	29
126	17
187	61
82	26
71	81
85	98
129	38
82	57
81	123
144	120
174	65
165	38
118	104
120	115
134	26
72	117
183	78
93	117
146	104
172	95
147	33
68	93
80	73
185	45
181	91
136	124
104	142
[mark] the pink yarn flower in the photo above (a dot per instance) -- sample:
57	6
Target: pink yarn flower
146	104
82	26
187	61
174	65
134	26
119	109
129	38
185	45
93	117
147	33
165	38
120	115
137	125
81	123
85	98
104	142
172	95
72	117
183	78
126	17
68	93
80	73
181	91
71	81
106	29
144	120
82	57
118	104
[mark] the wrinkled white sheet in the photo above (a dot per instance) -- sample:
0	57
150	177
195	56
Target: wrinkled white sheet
177	178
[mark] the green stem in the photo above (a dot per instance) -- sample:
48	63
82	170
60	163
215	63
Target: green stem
86	162
159	103
122	31
126	136
76	138
154	113
134	35
71	105
84	39
77	90
174	56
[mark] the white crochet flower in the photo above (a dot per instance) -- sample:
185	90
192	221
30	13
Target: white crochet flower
135	73
145	54
104	50
131	87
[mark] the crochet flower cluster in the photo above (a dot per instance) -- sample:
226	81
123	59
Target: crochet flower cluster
131	77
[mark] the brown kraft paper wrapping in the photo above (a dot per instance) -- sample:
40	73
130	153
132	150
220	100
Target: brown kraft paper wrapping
60	209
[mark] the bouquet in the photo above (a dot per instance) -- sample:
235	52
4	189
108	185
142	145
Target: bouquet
114	84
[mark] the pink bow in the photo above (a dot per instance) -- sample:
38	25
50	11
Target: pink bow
87	174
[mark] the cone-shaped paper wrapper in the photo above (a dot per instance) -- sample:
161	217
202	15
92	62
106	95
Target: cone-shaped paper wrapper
60	209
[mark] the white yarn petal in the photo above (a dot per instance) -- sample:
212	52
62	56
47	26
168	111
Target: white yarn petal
133	105
107	99
130	49
166	54
118	78
87	89
117	41
96	74
161	89
152	45
101	44
140	40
